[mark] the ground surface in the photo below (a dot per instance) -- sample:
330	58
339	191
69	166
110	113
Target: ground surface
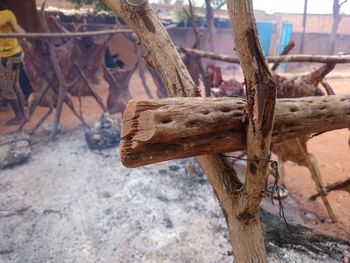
68	204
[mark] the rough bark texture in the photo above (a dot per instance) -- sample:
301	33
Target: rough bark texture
245	233
244	226
159	130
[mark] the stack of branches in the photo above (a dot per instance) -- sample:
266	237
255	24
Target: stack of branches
71	70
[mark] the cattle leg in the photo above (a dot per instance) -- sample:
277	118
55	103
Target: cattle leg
312	164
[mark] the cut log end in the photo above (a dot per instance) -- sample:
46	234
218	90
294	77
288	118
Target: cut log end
159	130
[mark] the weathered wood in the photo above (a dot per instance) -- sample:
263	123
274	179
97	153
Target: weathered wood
340	59
245	227
159	130
162	56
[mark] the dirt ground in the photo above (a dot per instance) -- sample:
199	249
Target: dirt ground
68	204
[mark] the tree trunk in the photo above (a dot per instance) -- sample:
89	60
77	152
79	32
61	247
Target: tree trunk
26	14
304	28
210	32
160	130
240	205
336	21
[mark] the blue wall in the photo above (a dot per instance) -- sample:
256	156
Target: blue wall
265	30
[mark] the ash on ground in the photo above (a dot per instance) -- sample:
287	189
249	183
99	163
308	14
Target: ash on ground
68	204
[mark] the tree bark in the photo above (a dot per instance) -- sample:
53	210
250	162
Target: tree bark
165	129
245	228
241	212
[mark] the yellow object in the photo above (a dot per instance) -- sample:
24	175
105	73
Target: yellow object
8	24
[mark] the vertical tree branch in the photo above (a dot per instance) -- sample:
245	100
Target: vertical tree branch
261	98
239	204
191	16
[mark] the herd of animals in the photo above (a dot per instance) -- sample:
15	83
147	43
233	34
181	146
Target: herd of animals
92	56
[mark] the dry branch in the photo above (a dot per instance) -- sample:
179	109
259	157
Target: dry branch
91	89
159	130
340	59
285	51
70	34
340	185
239	205
245	228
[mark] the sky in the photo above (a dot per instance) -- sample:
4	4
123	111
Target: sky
297	6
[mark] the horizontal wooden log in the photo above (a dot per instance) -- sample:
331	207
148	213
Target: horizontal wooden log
285	58
164	129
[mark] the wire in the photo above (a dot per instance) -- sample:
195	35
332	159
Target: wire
275	188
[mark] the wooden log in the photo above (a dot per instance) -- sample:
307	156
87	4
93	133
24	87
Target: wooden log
285	51
341	185
64	35
285	58
165	129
